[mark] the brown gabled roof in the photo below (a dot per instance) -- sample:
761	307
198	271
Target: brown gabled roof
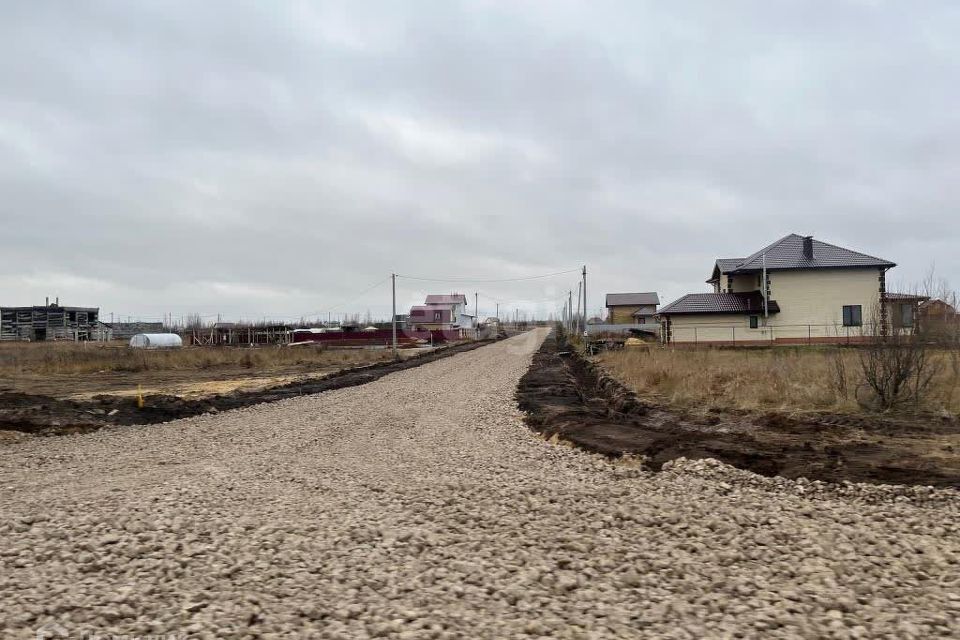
723	265
937	303
734	303
787	253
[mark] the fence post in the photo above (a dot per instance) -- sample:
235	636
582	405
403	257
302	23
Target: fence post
771	335
695	343
734	330
809	336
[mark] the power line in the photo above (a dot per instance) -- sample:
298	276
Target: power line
453	280
546	275
526	300
346	302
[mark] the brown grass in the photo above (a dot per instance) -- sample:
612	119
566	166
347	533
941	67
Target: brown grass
786	379
78	358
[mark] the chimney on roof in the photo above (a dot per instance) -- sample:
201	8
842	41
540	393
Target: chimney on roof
808	247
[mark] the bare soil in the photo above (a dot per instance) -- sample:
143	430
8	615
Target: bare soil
567	396
69	406
184	383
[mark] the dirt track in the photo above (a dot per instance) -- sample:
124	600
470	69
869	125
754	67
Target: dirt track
419	506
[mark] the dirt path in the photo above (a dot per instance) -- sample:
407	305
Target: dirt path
419	506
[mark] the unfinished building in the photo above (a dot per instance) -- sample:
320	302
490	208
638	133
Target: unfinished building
51	322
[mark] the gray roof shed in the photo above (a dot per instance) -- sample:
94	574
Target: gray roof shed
632	299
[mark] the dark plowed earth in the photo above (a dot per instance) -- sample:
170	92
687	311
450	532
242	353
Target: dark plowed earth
51	416
566	395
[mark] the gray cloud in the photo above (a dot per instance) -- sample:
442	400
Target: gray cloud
274	160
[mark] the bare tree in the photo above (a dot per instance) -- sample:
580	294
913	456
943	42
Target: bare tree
940	322
193	321
840	373
898	367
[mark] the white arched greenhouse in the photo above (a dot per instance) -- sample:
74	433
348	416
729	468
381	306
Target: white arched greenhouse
156	341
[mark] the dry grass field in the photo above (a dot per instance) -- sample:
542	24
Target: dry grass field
783	379
79	370
73	358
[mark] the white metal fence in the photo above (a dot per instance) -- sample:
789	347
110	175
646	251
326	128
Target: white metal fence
743	334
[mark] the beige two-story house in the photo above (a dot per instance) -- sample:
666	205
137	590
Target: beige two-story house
795	290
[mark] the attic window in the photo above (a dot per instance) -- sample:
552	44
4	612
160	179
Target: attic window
438	315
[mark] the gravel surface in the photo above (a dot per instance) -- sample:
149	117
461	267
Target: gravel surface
420	506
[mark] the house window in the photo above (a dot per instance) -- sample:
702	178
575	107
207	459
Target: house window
760	280
906	315
754	322
852	315
437	316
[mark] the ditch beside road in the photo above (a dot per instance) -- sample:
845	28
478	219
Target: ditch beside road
574	399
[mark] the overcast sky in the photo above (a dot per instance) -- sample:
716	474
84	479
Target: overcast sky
279	158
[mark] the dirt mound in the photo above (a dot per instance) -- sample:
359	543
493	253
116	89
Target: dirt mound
44	415
566	395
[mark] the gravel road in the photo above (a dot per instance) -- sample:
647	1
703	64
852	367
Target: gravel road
419	506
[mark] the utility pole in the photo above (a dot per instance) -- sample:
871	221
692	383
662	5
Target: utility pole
476	313
570	310
393	316
498	313
584	298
